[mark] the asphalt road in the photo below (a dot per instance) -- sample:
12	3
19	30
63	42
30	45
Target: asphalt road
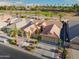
9	53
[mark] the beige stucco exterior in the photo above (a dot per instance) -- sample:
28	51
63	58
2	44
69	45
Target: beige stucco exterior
48	38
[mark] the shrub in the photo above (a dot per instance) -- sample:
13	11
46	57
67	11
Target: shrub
12	41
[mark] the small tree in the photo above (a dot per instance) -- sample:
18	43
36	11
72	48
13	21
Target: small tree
28	35
14	33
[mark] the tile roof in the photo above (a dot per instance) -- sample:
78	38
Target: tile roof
32	28
50	29
47	29
27	25
58	23
5	17
20	24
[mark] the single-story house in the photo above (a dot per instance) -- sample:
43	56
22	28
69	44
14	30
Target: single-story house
52	32
57	27
15	20
31	27
5	17
18	24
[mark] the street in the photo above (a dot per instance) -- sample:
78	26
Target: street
9	53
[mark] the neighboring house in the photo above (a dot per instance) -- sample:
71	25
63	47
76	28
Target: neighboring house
26	25
15	20
52	32
46	23
31	27
18	24
5	17
21	24
57	28
69	31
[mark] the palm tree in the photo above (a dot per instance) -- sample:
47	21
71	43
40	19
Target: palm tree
14	33
28	35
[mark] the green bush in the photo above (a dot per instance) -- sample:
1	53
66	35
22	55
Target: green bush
12	41
37	37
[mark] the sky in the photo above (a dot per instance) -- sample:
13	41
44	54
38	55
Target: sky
38	2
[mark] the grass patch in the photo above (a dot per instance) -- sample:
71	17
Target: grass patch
45	13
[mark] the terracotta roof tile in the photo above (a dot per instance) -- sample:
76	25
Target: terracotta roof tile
47	29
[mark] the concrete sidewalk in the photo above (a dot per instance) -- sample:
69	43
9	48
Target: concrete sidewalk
46	50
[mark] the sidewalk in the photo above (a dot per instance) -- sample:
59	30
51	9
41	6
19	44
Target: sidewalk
46	50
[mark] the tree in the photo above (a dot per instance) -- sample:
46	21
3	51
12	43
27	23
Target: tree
14	33
28	35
